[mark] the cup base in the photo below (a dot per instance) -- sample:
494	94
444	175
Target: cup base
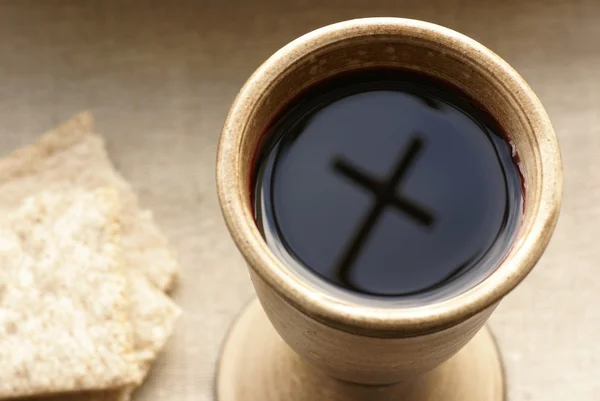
257	365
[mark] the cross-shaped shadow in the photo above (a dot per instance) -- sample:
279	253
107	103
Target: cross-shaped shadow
384	194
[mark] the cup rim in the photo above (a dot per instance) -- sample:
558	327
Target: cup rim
360	318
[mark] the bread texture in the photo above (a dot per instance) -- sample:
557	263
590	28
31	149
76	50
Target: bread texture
71	156
153	315
64	323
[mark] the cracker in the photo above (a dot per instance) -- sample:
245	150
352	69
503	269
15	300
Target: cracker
153	315
73	156
63	309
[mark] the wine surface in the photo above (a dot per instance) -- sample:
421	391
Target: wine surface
387	183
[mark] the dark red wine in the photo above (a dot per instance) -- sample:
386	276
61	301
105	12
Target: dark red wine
388	183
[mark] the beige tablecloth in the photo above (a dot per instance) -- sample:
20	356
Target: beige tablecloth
160	79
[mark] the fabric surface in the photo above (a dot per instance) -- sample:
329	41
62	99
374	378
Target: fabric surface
160	78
